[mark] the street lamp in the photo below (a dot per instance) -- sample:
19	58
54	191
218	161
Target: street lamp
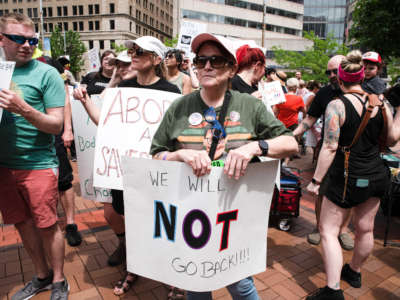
41	22
263	26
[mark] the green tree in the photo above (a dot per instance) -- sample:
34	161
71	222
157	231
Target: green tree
57	43
171	42
118	48
377	26
312	62
393	68
75	49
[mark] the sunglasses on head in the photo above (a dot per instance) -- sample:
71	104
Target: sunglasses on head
329	72
20	39
138	51
216	61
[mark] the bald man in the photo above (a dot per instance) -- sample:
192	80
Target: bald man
317	110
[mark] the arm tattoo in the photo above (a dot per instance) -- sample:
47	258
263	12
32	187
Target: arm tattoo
333	115
337	285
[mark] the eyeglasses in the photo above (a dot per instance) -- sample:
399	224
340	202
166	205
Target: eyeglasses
170	56
329	72
138	52
20	39
216	61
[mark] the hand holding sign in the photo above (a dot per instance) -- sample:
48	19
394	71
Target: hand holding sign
6	71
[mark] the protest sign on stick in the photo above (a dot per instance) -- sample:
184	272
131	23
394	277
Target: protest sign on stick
6	71
94	60
203	232
129	119
187	33
272	93
85	142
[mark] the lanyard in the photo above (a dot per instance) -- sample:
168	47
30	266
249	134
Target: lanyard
218	126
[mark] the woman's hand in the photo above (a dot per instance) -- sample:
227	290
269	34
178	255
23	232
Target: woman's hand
80	93
257	94
197	159
313	188
239	158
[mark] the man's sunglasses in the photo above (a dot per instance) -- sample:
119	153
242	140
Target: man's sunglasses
216	61
20	39
138	52
329	72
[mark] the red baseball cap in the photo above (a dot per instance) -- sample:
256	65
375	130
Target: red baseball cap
372	56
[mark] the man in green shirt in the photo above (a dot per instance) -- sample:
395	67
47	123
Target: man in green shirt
33	113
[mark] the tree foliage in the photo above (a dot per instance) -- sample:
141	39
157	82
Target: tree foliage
312	62
118	48
377	26
74	48
171	42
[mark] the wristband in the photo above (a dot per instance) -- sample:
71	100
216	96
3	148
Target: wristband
165	156
314	181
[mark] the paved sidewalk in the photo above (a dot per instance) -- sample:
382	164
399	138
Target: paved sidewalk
294	267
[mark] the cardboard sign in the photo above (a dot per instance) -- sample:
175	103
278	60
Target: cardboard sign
94	60
85	141
187	33
6	71
202	233
272	93
129	119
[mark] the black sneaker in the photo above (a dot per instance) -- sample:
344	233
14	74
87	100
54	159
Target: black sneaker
60	290
72	235
326	293
350	276
119	255
34	287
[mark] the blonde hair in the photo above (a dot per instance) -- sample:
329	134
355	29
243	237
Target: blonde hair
15	18
292	84
352	63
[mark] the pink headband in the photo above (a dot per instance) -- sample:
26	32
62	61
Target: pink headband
351	77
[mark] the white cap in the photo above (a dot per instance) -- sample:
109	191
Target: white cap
148	43
123	57
205	37
372	56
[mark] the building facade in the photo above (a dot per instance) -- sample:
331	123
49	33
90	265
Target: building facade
324	17
243	20
99	22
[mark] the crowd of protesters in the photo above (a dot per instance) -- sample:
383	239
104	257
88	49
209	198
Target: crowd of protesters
349	180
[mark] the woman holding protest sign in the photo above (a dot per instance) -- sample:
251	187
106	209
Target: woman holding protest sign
146	55
215	113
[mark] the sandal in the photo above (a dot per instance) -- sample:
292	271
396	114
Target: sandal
176	294
123	286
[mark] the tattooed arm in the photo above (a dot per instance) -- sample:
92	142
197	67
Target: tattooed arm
334	119
305	125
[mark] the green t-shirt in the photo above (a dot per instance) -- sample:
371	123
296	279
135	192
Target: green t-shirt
184	126
23	146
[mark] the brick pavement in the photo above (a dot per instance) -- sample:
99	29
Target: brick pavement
294	268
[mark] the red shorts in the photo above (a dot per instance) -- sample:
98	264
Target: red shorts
27	194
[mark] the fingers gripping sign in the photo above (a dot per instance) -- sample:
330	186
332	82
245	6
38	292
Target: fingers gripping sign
238	159
10	101
197	160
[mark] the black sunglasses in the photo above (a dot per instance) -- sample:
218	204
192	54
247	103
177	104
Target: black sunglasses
20	39
138	51
216	61
170	56
329	72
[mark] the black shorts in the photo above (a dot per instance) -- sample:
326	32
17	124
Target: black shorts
118	201
333	186
65	176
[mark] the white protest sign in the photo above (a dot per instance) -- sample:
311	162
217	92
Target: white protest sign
6	71
272	93
203	233
85	141
129	119
187	33
94	60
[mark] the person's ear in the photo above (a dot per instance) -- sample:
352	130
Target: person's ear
233	70
156	60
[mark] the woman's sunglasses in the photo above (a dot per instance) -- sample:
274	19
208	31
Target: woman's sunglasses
170	56
20	39
216	61
138	52
329	72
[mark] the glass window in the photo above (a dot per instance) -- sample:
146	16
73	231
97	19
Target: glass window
80	9
112	24
90	25
112	8
97	25
59	11
96	9
65	10
80	26
90	44
90	7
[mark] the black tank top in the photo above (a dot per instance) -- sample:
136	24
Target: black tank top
365	160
